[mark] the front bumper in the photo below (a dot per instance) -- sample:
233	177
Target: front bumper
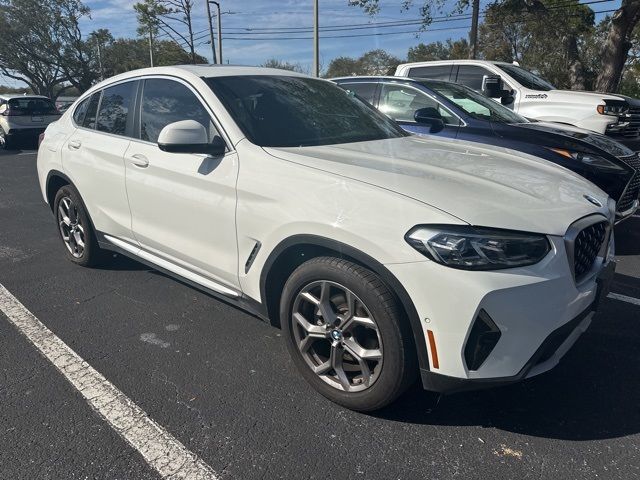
539	310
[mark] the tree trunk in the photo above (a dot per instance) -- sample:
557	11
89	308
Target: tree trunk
576	68
617	45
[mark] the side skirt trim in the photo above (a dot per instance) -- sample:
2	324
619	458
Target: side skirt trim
172	267
238	300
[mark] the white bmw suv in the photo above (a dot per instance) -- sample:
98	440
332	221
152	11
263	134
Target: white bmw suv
382	256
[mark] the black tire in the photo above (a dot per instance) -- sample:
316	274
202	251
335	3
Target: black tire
399	363
91	253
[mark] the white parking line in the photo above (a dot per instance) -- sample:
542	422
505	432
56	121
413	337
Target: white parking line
162	451
624	298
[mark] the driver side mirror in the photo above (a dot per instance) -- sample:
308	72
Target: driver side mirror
189	136
429	116
492	86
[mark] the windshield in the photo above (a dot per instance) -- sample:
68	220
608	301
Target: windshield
474	104
288	111
526	78
32	106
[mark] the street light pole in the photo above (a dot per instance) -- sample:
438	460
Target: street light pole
473	37
213	45
316	54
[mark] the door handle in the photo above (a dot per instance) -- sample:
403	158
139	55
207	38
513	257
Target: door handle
74	144
140	160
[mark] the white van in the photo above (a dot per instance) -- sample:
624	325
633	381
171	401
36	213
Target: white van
534	97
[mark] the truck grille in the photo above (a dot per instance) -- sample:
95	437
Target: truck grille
632	192
586	247
633	117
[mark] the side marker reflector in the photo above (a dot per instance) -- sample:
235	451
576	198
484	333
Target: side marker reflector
434	350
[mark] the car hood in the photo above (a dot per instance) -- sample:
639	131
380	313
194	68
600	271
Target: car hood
595	98
560	135
492	187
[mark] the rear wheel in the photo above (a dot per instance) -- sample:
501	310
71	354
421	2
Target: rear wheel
346	335
75	229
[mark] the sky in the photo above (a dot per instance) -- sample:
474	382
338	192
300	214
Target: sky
244	44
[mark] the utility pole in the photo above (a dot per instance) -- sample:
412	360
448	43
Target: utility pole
213	45
316	53
213	48
100	59
473	36
150	47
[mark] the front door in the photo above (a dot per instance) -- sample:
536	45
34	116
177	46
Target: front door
182	205
400	102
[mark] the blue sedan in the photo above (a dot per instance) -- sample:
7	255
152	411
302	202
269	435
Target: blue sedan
433	107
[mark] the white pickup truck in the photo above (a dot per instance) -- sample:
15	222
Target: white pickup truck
534	97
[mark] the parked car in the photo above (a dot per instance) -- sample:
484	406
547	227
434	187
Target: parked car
24	117
380	253
533	97
435	107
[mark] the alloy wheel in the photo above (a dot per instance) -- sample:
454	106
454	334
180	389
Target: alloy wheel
71	228
337	336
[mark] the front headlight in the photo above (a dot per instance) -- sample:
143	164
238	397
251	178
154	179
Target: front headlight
477	248
613	107
588	159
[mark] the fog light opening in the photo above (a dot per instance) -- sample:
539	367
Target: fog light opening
482	340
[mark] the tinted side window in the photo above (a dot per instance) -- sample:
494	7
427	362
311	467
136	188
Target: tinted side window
81	111
89	120
114	108
165	102
400	102
436	72
366	91
471	76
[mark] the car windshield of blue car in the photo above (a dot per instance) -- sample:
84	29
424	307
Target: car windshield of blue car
475	104
525	77
291	111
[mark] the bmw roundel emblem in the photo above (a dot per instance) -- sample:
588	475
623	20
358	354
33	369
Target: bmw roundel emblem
593	200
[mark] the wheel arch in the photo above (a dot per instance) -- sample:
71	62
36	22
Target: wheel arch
295	250
55	181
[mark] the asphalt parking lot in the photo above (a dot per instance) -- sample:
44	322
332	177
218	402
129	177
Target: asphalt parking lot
220	382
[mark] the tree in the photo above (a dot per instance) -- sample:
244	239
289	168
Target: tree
126	54
170	17
98	41
450	50
427	7
27	36
373	62
617	45
343	67
283	65
148	15
518	30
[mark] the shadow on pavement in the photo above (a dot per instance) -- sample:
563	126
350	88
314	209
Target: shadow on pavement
627	235
593	393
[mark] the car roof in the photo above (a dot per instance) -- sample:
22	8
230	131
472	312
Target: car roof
424	81
9	96
452	62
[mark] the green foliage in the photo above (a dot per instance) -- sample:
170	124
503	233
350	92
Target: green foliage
427	7
373	62
283	65
126	54
546	36
449	50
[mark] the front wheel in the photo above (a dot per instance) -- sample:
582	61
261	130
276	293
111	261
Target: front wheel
346	334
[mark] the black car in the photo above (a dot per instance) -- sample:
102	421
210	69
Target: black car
435	107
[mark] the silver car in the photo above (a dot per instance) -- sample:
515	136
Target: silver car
24	117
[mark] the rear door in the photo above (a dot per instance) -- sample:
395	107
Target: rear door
183	206
400	102
93	156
